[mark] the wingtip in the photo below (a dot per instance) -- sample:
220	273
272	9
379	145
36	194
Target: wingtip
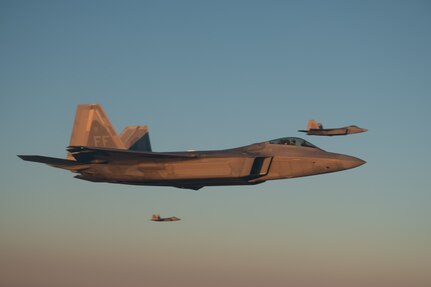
23	157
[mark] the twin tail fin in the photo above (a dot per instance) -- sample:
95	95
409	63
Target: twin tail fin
92	128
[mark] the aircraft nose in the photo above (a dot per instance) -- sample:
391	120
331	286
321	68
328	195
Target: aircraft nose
336	162
351	161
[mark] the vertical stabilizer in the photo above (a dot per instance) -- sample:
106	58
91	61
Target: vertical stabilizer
313	125
136	138
93	128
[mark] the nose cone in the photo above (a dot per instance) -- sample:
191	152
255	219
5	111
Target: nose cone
337	162
349	162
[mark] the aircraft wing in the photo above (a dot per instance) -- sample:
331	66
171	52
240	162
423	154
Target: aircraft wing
86	154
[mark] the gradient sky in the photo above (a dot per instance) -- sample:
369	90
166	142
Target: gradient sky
214	75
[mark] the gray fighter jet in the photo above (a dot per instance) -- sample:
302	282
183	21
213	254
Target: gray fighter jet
316	129
156	217
98	154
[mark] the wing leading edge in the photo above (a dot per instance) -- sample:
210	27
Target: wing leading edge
86	154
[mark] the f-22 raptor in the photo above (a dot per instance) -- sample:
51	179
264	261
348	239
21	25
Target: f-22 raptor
316	129
156	217
96	153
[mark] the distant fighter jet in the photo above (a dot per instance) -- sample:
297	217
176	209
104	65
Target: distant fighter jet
98	154
316	129
156	217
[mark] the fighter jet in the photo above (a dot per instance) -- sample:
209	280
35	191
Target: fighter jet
98	154
156	217
316	129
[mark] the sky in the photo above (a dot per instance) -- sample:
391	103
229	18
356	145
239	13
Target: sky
213	75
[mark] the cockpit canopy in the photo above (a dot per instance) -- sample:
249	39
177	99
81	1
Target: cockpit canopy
293	141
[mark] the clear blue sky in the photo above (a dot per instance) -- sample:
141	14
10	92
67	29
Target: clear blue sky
213	75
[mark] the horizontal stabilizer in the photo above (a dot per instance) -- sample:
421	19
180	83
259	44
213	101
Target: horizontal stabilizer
55	162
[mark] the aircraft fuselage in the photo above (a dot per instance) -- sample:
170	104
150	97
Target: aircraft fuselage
335	132
242	166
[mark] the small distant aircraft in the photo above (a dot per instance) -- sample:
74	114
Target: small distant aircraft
97	153
316	129
156	217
